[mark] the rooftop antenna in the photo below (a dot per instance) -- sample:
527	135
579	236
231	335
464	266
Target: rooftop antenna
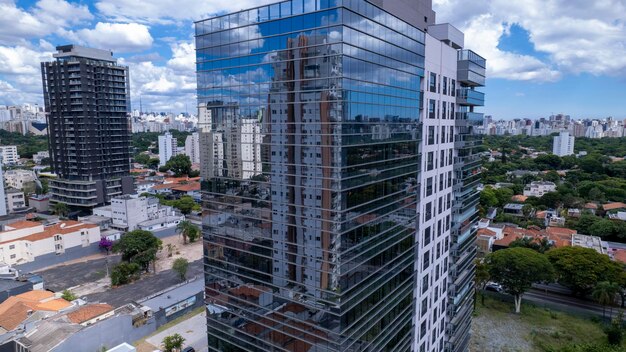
140	107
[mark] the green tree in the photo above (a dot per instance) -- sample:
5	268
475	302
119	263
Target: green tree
142	158
153	163
481	277
173	343
604	293
590	164
179	164
552	176
527	210
596	194
527	242
602	228
124	273
139	247
585	222
615	330
516	269
488	198
185	204
504	196
61	209
581	269
180	266
68	295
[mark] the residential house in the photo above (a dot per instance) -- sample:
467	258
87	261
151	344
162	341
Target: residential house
539	188
17	178
514	209
131	212
16	202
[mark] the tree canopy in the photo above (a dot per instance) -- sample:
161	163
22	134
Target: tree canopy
179	164
581	269
516	269
138	247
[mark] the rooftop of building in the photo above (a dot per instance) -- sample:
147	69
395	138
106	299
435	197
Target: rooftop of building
174	296
519	198
88	312
72	50
613	206
17	308
63	228
189	187
514	206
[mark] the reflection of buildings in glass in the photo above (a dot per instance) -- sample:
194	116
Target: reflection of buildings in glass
231	144
317	252
302	112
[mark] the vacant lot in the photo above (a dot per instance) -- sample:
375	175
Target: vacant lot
495	328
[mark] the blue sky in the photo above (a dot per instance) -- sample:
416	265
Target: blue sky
543	56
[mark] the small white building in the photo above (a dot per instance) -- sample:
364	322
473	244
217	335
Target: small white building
128	212
15	200
9	154
17	178
23	241
167	148
539	188
37	158
563	144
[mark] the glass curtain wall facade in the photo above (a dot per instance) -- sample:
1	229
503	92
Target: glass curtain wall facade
310	135
467	163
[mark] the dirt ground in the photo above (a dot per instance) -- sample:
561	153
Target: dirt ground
189	251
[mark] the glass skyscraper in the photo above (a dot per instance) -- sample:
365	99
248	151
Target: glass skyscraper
323	228
312	245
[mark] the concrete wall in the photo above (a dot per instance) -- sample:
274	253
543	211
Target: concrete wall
107	333
53	259
162	319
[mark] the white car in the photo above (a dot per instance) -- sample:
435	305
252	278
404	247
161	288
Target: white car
494	286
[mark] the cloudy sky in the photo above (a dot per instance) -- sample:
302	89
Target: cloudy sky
544	56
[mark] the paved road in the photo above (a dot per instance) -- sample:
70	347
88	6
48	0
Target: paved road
145	286
66	276
192	329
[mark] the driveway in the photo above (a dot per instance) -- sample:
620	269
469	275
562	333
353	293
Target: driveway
192	329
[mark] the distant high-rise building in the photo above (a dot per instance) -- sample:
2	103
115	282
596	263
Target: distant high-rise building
192	147
563	144
168	147
87	99
332	161
3	197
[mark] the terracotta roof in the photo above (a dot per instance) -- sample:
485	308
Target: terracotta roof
139	171
194	186
163	186
519	198
62	228
560	231
619	255
613	206
88	312
541	214
20	225
15	309
591	206
486	232
36	295
249	291
181	179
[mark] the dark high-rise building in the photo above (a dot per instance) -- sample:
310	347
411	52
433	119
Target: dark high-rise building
87	98
340	240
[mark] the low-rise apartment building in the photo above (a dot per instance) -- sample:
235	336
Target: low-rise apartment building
8	154
16	201
539	188
28	241
131	212
17	178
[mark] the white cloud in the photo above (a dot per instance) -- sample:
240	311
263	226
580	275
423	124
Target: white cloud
168	11
46	17
119	37
577	36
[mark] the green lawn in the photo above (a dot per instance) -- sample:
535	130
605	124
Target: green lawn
497	328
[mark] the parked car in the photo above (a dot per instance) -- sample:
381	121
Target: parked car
494	286
189	349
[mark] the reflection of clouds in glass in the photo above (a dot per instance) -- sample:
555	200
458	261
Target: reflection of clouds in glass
238	36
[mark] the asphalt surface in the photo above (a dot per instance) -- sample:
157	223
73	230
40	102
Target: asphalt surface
145	286
65	276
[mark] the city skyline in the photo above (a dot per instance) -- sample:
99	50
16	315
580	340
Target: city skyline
537	67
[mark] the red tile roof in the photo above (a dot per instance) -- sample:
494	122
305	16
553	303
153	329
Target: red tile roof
88	312
189	187
613	206
62	228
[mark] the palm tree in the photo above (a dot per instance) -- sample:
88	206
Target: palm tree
187	229
604	293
